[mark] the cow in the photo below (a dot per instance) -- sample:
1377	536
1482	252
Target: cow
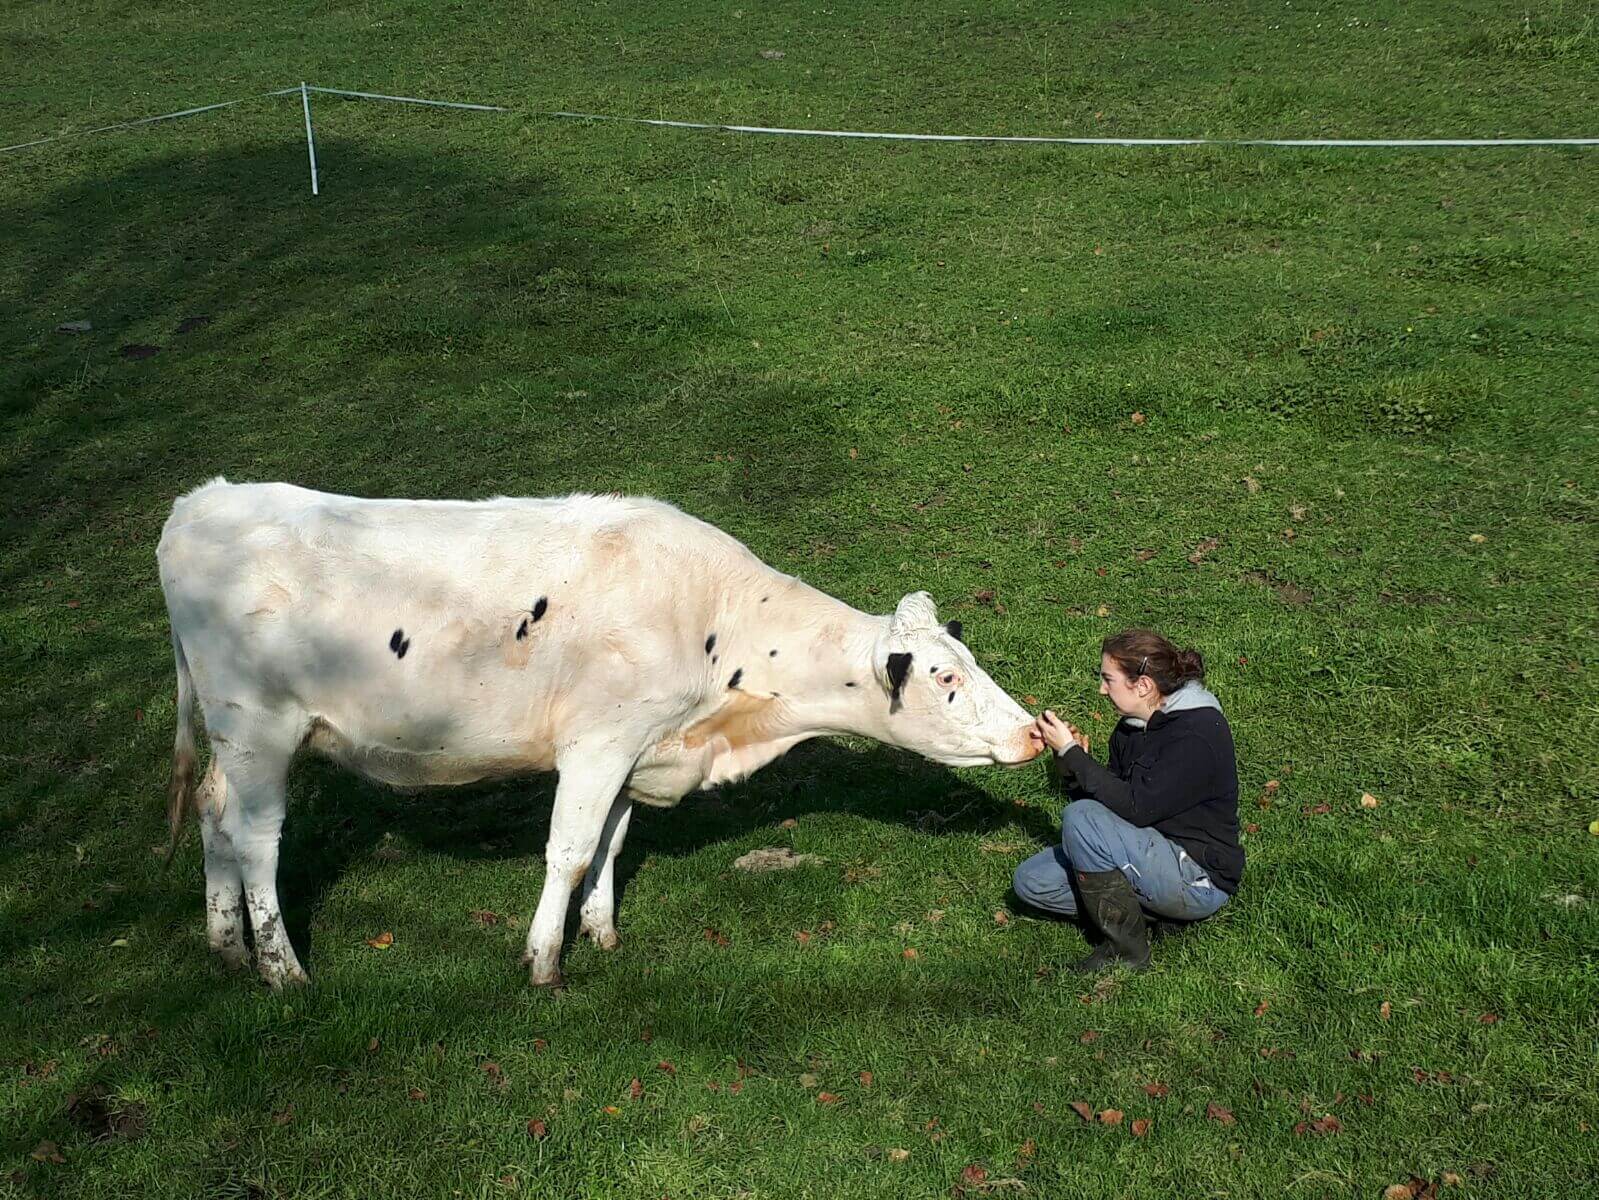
637	651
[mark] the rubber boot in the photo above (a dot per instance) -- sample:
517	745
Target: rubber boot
1110	903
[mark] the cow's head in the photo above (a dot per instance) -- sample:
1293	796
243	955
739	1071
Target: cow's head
941	703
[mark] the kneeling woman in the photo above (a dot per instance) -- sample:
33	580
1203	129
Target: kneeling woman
1157	828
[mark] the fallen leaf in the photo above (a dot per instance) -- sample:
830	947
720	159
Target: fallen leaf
908	952
1316	810
736	1086
611	1110
1251	828
1450	1179
284	1117
416	1094
790	823
1145	555
1001	917
1102	611
827	1098
1158	1091
1398	1191
1111	1116
669	1068
1219	1114
484	917
636	1088
1030	701
1138	418
539	1045
713	936
1026	1151
802	936
973	1175
1367	800
808	1080
1085	1111
898	1155
47	1152
1205	546
1385	1010
1479	538
372	1046
382	942
1140	1127
1272	785
866	1079
1089	1035
1260	1009
1320	1127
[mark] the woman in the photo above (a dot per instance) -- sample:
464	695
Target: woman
1155	829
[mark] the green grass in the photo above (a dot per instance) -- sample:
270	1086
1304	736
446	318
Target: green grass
885	367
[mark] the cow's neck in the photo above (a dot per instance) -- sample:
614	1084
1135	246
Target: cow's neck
821	680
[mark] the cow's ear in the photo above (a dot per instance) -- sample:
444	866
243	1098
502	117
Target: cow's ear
954	630
899	668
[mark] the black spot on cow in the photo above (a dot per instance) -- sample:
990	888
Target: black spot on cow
737	675
952	697
710	643
521	630
954	630
764	599
541	608
399	643
851	683
771	654
899	667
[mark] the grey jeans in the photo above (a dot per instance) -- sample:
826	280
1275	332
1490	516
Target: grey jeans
1092	838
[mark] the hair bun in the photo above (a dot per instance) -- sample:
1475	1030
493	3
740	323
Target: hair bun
1190	664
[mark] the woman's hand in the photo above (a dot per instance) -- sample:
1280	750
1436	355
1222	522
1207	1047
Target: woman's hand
1058	735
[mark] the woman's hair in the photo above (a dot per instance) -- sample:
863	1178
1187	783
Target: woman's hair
1144	652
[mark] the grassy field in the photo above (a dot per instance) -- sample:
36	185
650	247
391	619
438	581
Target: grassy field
1327	415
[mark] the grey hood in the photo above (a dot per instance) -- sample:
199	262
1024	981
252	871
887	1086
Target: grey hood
1192	694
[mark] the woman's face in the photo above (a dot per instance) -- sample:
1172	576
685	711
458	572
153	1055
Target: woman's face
1130	696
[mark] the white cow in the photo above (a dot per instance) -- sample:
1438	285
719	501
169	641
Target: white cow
639	652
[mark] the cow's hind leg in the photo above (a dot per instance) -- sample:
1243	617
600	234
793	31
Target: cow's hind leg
224	886
252	819
599	896
591	777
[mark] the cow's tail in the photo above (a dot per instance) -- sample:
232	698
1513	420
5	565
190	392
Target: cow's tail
180	788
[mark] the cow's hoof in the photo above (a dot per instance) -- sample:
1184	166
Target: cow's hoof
605	939
233	957
282	978
553	982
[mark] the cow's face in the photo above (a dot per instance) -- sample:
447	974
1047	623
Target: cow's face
941	703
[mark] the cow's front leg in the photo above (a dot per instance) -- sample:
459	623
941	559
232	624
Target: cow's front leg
591	777
599	894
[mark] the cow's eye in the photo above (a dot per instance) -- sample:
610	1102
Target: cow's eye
947	679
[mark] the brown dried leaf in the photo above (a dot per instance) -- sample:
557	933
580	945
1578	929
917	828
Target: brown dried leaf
1138	418
1001	917
1205	546
898	1155
382	942
416	1094
1260	1009
1088	1036
908	952
1219	1114
669	1068
635	1089
1111	1116
484	917
828	1097
47	1152
866	1079
1085	1111
1158	1091
1140	1127
973	1175
713	936
1386	1010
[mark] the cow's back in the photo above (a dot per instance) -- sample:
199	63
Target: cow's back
440	641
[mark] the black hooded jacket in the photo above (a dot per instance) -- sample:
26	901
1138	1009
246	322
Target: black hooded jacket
1178	776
